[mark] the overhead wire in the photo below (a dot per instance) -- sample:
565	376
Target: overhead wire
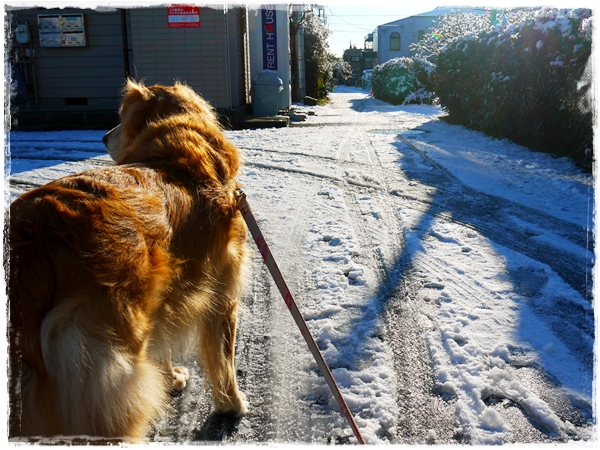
345	21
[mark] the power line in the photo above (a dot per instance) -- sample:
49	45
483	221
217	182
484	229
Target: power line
361	15
348	31
351	24
352	31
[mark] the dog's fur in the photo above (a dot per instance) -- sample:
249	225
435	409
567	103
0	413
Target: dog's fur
111	269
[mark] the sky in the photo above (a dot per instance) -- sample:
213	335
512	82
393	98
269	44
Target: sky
351	20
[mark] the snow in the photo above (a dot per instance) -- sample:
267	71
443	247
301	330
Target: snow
496	309
479	321
506	170
548	18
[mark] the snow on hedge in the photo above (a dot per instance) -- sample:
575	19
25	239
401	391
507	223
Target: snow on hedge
524	81
403	81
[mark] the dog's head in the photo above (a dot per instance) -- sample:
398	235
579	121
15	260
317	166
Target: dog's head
142	106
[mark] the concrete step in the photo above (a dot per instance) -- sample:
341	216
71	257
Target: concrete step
254	122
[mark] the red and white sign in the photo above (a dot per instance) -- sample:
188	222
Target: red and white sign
183	16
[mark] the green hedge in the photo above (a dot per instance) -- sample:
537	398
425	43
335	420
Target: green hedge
525	82
402	80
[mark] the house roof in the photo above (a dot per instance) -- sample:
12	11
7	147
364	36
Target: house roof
441	11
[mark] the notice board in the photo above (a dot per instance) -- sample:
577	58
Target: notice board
183	16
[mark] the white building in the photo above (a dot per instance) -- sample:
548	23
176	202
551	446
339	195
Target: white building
393	40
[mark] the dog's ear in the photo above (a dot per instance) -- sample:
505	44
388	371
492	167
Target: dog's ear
136	90
134	110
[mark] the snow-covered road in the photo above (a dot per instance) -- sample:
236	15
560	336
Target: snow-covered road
446	276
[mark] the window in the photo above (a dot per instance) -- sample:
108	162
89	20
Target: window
395	41
421	34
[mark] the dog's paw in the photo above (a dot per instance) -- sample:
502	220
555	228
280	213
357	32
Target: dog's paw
242	406
180	376
236	406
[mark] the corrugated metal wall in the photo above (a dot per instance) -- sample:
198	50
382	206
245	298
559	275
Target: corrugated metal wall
68	77
213	58
198	56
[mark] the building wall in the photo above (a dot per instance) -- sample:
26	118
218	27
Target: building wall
359	59
353	56
239	56
409	34
76	77
213	58
197	56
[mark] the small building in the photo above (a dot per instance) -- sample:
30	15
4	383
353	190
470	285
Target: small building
369	55
69	65
359	59
353	57
393	39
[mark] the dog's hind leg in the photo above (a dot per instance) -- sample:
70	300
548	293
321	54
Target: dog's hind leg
217	350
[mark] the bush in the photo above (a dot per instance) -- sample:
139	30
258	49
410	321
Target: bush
525	82
317	58
342	70
402	80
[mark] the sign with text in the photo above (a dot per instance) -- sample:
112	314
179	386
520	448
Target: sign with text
269	37
183	16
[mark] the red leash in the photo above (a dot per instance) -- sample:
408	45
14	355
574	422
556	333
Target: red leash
267	256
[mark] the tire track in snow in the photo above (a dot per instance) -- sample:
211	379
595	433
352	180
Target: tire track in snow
426	415
526	413
420	410
254	347
334	184
287	211
355	168
487	214
359	316
525	419
423	416
568	229
440	207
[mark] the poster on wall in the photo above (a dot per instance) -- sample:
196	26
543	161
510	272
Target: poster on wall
183	16
269	37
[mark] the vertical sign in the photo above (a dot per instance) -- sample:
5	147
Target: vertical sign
269	37
183	16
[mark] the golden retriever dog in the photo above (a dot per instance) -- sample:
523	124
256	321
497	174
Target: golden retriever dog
111	270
